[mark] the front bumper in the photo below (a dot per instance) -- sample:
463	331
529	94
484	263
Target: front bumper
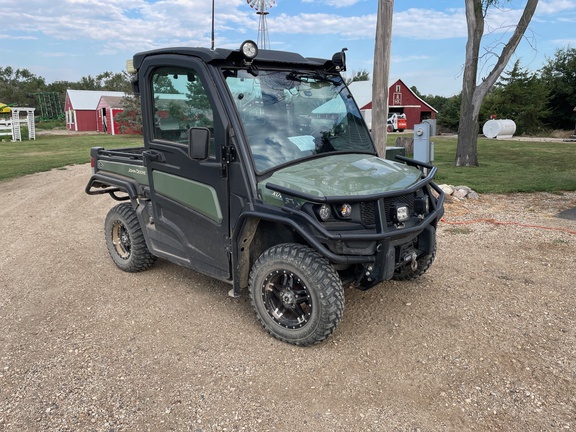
381	248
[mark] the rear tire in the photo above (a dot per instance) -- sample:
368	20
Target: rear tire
125	240
296	294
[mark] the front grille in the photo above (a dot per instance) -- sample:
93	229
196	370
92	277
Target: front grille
401	199
368	212
368	209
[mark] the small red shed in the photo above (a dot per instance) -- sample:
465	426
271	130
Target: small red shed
108	108
81	108
401	100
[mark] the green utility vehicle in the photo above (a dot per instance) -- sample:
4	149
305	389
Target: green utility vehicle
258	169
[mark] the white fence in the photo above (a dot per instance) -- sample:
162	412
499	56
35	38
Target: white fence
13	126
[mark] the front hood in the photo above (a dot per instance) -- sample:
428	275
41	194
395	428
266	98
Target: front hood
344	175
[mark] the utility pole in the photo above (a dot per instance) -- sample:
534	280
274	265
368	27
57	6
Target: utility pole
381	73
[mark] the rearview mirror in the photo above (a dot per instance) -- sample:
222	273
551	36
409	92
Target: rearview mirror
198	143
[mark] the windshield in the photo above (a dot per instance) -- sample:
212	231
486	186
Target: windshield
293	115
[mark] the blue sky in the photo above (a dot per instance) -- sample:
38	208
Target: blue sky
68	39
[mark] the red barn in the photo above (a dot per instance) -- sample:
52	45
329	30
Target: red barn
401	100
81	108
108	108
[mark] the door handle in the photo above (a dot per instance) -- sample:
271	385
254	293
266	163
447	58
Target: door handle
153	156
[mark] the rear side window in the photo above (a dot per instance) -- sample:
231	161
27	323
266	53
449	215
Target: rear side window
180	103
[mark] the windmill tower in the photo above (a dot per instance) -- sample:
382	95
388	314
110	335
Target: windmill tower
261	7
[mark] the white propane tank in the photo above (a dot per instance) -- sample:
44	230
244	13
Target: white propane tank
499	129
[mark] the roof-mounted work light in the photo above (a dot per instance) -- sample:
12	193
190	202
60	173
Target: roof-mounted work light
339	60
249	50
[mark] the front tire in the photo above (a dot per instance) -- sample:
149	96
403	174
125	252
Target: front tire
125	240
296	294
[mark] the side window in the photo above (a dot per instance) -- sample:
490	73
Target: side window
180	103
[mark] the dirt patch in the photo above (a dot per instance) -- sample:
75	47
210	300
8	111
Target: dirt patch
66	132
484	341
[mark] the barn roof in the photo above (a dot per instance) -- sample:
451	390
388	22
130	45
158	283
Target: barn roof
362	92
112	101
416	96
89	99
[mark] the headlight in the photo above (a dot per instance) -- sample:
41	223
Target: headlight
401	213
324	212
345	210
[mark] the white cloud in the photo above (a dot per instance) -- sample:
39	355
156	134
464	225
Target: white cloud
15	37
430	24
351	27
334	3
409	58
554	6
119	26
564	42
58	54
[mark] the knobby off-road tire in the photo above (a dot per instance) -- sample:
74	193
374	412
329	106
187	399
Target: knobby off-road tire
406	273
296	294
125	240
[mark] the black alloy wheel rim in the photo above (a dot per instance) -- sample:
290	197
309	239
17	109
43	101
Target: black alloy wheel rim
287	299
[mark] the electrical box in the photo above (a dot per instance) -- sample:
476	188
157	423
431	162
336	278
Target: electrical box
423	147
432	123
392	152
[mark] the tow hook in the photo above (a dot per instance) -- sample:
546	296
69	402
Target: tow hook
412	258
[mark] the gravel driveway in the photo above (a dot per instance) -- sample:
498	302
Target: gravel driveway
484	341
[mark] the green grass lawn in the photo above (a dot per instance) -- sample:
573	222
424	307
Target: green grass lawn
508	166
55	151
505	166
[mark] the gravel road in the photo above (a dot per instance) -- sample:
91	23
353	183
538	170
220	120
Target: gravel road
485	341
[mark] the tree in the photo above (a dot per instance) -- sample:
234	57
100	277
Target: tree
119	81
520	96
130	120
449	113
473	94
18	85
560	78
110	81
381	73
163	84
362	75
416	92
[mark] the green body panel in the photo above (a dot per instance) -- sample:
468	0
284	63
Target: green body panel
341	175
197	196
136	172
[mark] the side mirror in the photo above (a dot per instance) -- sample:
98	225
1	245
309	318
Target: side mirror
198	143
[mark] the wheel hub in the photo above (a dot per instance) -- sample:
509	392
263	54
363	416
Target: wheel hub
288	298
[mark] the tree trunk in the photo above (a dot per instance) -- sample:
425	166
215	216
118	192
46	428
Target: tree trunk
472	94
380	74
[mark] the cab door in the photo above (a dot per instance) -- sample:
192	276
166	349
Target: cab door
189	198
